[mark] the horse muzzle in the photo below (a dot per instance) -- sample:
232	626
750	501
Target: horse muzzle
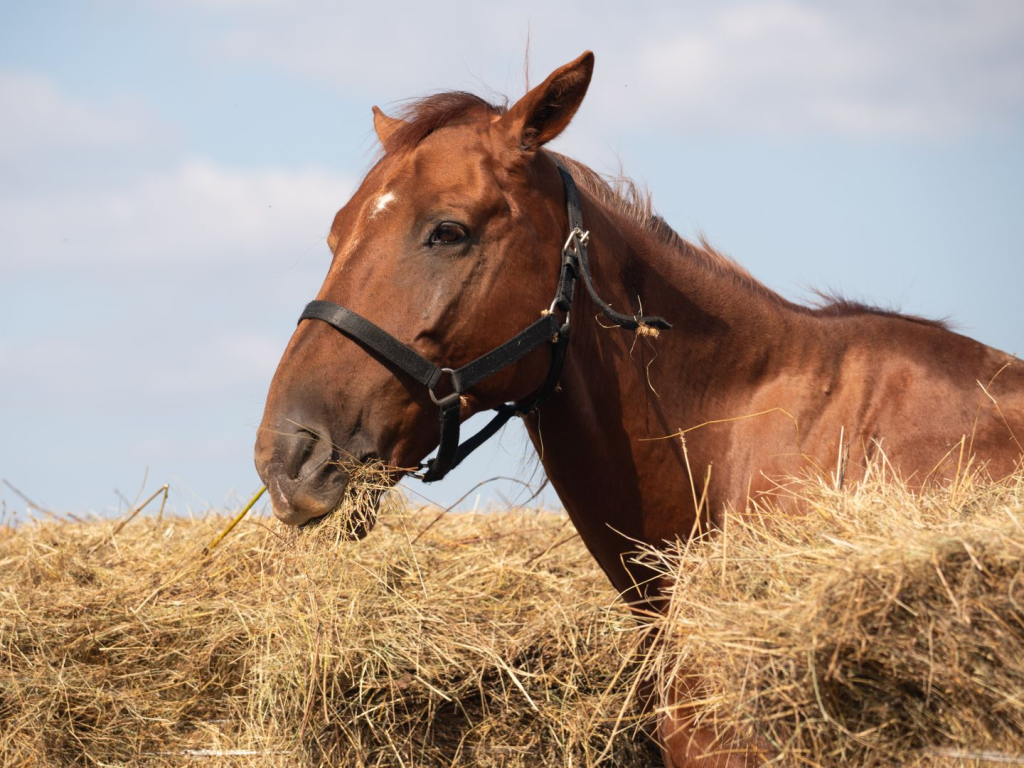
303	471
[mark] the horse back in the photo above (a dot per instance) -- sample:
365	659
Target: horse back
925	401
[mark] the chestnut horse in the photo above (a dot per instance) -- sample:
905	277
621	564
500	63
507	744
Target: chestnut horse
453	244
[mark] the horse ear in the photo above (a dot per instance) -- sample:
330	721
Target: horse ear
544	112
385	126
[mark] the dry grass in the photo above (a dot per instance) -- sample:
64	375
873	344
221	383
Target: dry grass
491	640
881	628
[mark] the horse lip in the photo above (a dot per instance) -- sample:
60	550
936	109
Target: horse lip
297	502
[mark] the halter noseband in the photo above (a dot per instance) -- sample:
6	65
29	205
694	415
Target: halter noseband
546	330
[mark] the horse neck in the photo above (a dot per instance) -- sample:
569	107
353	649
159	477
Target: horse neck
620	389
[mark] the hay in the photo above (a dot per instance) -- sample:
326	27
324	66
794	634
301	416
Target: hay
485	642
880	628
643	329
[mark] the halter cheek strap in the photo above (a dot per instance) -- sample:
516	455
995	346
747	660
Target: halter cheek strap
545	330
450	453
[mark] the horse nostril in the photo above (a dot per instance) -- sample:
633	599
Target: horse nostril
306	441
299	452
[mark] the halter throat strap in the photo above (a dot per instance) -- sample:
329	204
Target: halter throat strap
543	331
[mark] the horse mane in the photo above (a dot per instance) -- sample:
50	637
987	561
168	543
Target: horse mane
633	201
621	195
832	304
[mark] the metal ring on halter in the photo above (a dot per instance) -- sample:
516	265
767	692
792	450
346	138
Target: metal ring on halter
551	311
446	398
576	238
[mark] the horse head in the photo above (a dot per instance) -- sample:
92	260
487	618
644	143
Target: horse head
451	246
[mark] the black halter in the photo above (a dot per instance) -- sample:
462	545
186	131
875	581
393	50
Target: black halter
546	330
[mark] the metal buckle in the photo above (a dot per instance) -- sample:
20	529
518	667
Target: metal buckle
577	238
551	311
563	330
447	398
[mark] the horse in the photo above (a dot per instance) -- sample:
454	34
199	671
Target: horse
439	300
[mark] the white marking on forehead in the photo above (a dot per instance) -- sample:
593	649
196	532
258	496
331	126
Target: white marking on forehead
382	203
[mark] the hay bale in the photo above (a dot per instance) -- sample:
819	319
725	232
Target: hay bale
493	639
879	628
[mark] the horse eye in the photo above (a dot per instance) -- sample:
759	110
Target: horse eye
448	232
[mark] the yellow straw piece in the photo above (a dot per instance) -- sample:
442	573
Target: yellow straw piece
237	519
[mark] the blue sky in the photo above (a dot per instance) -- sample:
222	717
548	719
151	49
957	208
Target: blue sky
168	173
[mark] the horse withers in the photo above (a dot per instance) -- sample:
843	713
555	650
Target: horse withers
450	252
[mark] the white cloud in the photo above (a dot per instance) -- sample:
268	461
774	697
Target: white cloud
802	68
196	213
385	51
783	67
220	362
39	117
195	360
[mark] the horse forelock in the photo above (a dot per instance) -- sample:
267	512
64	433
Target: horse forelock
424	116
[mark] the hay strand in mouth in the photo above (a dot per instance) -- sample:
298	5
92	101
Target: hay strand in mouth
366	496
